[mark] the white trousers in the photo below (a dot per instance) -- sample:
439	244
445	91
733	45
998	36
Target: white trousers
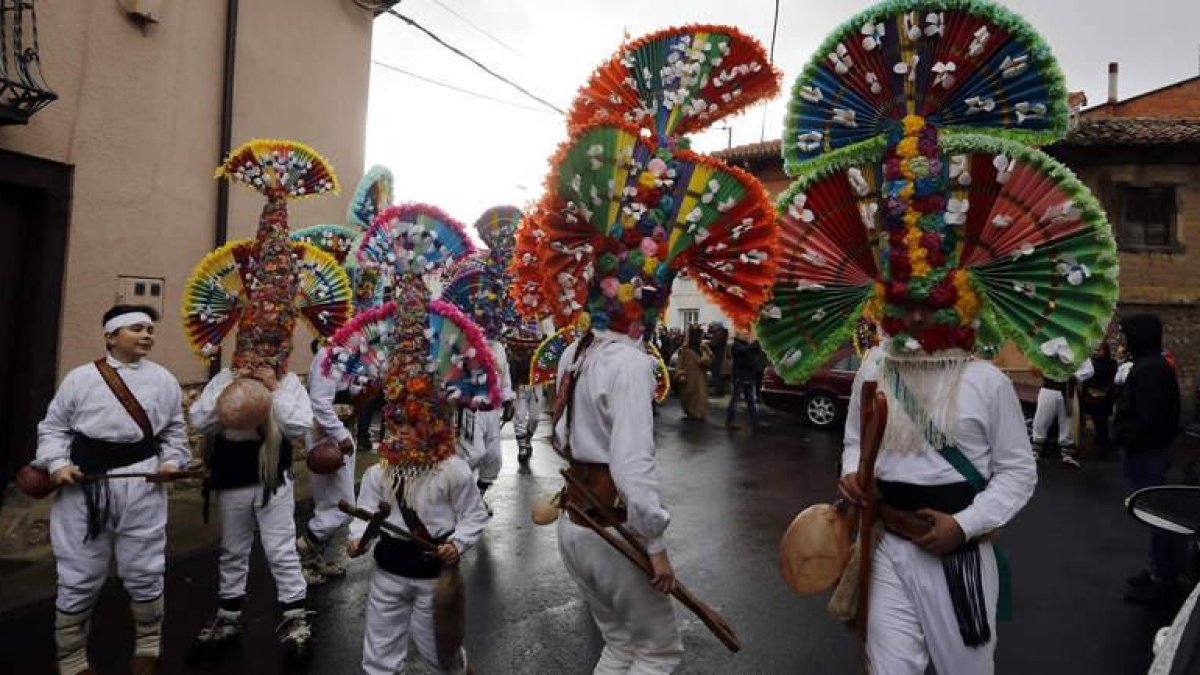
136	532
1051	406
482	453
397	608
911	618
326	491
637	622
241	512
528	410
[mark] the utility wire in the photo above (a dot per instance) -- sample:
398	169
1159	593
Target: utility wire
477	29
460	90
485	69
770	57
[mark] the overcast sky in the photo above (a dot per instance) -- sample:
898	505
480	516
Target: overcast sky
465	154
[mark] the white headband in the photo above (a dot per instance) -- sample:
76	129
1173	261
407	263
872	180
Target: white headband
122	320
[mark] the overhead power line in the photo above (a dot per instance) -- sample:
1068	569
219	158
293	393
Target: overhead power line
439	83
762	136
477	29
475	61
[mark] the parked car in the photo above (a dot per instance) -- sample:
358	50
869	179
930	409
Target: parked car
822	400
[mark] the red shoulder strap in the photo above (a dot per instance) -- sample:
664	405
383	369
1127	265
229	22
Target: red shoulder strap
126	397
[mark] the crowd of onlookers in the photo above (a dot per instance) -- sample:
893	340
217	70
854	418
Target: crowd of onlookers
708	361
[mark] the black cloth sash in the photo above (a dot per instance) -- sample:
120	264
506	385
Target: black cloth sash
95	456
964	578
234	464
1054	385
950	498
407	558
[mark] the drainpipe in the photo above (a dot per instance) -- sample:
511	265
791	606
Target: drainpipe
221	229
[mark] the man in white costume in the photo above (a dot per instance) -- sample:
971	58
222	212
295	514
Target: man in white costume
607	422
88	430
479	431
251	475
912	618
327	490
1054	404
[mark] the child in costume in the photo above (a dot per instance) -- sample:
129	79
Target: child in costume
121	414
255	411
627	207
431	360
918	204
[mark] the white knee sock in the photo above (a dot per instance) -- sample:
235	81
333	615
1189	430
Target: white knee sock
147	626
70	634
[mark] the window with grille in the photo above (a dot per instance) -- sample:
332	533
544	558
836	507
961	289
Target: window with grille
1145	218
690	317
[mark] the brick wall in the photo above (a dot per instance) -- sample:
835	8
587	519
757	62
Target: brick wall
1155	277
1178	100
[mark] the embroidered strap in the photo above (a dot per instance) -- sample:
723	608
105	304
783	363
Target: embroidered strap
126	397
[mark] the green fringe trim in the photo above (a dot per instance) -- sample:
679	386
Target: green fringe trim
1039	52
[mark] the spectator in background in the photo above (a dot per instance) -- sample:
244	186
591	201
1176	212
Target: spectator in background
694	359
1097	400
1146	422
745	354
718	343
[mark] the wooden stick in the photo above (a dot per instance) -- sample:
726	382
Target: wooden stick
633	549
874	419
363	514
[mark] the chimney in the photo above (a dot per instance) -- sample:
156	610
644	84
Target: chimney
1112	83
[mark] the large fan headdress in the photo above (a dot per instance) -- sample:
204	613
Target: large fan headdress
429	358
260	285
914	186
628	206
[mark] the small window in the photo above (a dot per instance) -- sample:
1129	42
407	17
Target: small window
1145	218
155	289
848	363
690	317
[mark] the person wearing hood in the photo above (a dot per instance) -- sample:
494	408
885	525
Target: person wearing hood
1145	424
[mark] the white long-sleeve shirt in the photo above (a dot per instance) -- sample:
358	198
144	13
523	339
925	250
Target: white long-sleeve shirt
991	433
84	404
445	498
289	402
322	390
614	425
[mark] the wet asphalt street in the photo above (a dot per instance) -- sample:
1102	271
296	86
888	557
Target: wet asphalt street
731	495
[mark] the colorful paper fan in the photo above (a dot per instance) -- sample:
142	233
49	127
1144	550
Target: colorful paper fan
326	299
544	363
371	197
619	208
678	81
215	293
458	356
412	239
280	169
1035	243
480	295
964	65
336	240
527	290
498	229
359	351
662	376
